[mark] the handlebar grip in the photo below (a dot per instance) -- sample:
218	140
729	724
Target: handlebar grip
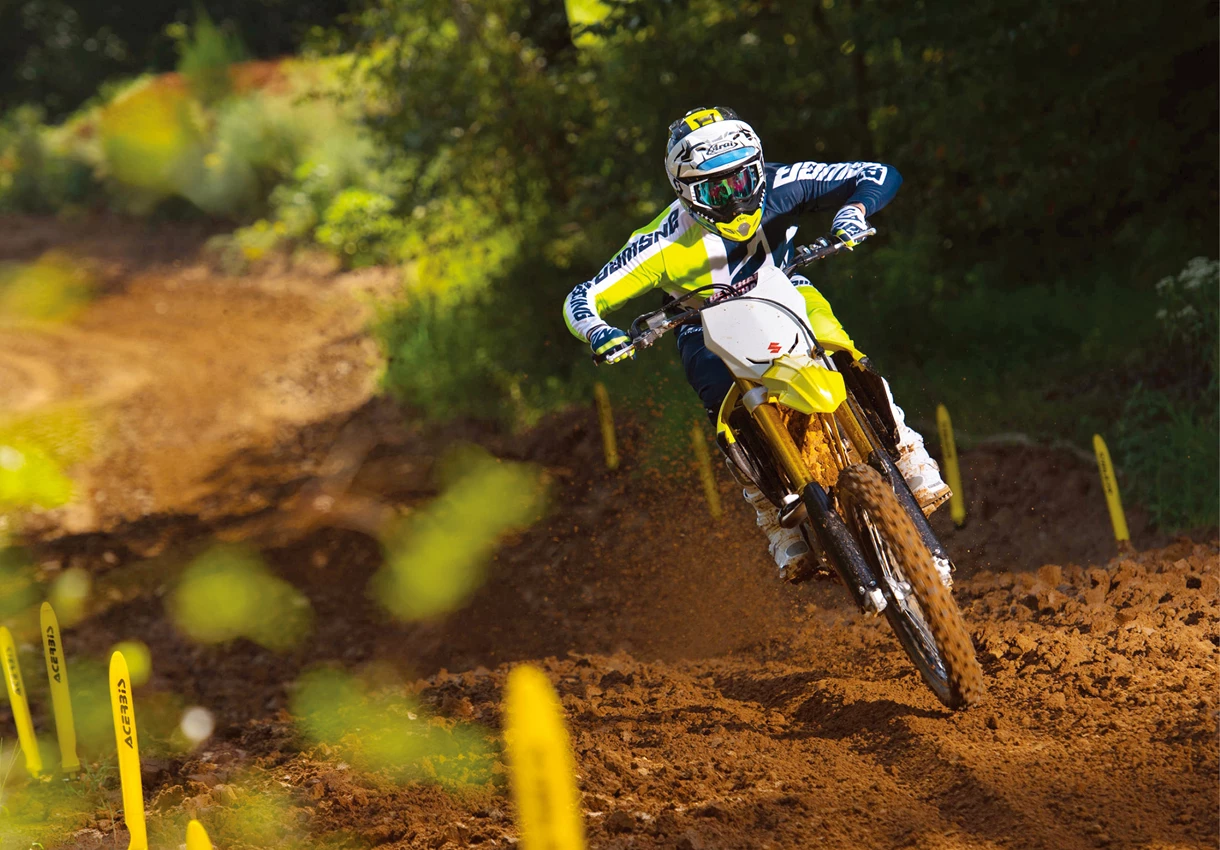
616	355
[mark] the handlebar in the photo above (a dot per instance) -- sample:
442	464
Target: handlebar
820	249
646	330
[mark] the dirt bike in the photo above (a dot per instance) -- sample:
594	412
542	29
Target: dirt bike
811	427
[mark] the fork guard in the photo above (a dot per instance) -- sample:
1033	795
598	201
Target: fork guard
834	538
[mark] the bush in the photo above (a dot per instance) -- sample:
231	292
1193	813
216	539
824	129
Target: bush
205	53
1168	444
33	176
361	227
1170	457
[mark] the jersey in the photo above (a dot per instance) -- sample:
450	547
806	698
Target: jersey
674	252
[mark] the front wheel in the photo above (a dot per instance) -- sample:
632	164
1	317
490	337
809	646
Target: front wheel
919	607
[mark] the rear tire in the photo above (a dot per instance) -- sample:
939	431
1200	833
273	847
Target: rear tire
932	630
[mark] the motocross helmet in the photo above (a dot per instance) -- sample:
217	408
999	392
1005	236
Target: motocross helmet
715	162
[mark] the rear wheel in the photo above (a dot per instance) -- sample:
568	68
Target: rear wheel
919	607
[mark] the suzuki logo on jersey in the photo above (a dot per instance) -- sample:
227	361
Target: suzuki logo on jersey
774	348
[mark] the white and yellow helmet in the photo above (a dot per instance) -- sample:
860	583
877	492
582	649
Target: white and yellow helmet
715	163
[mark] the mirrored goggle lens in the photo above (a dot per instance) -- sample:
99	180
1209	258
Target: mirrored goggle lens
725	190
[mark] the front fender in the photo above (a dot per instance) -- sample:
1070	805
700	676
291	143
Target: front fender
799	384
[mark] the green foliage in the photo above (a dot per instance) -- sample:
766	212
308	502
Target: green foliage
1189	316
205	52
1008	279
1168	431
155	141
359	225
57	52
33	176
1170	457
378	729
1057	156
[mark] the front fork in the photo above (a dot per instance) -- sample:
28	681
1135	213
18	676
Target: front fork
831	532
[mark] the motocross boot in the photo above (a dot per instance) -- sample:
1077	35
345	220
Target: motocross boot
916	465
786	545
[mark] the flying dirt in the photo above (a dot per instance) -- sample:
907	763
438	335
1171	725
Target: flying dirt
710	705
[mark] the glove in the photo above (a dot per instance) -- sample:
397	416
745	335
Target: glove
607	341
849	226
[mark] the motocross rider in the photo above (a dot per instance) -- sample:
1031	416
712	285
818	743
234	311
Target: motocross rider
734	214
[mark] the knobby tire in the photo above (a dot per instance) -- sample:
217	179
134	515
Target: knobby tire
863	489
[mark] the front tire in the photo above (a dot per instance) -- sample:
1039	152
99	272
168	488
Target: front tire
920	609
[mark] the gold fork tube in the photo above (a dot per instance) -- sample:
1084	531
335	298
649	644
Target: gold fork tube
789	457
851	419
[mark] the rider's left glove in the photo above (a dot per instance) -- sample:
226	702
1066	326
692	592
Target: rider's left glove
610	345
849	226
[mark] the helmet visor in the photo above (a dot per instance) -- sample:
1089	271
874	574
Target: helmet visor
718	192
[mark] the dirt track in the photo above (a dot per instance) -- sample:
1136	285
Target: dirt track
711	707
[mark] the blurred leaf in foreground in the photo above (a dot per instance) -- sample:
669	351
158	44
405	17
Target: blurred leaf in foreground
64	431
18	592
436	558
379	730
69	595
30	476
35	448
228	592
51	289
91	704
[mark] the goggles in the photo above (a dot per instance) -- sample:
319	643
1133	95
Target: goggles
716	192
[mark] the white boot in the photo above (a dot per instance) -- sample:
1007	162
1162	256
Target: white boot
786	545
916	465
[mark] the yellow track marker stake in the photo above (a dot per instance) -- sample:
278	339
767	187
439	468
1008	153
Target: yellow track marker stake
1109	484
948	449
61	700
197	837
128	745
606	417
21	707
541	764
706	475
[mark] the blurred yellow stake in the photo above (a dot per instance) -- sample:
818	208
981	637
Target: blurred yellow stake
706	475
197	837
61	700
17	699
541	764
948	449
128	745
606	416
1109	484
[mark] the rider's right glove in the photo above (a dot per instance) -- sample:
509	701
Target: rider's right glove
610	345
849	226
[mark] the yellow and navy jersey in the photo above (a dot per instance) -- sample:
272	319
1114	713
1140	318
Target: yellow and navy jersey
674	252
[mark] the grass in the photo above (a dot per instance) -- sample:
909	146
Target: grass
41	811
